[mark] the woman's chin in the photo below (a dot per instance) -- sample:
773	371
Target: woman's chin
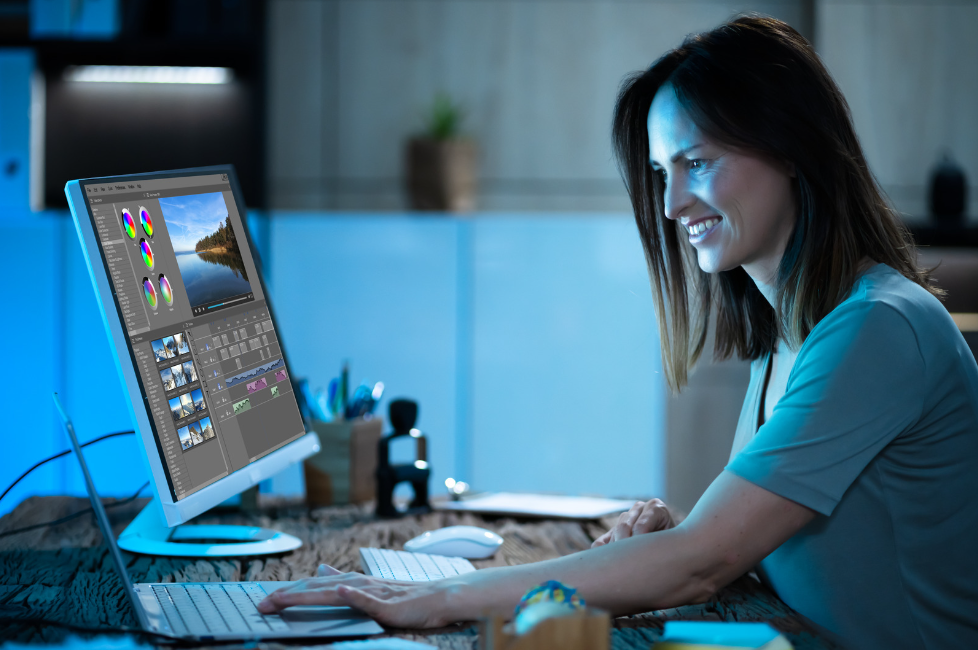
709	262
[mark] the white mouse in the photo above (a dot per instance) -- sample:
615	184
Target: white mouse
456	541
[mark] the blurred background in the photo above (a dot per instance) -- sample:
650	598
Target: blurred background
519	315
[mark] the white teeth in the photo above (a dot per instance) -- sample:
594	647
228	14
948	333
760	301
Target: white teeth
702	226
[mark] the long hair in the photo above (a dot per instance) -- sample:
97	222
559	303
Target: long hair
757	85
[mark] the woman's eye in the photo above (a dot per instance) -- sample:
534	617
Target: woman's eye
697	163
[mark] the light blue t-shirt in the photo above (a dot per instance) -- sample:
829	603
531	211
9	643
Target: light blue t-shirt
878	432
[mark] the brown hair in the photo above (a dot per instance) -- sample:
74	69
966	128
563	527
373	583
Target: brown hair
756	84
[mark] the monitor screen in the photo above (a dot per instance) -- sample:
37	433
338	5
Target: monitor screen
197	321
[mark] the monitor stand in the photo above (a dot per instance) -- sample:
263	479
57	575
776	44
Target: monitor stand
148	535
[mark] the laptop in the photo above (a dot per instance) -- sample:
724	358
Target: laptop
196	345
215	611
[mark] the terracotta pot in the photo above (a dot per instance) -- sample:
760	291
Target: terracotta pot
441	174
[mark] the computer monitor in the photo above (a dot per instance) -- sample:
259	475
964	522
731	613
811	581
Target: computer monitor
196	344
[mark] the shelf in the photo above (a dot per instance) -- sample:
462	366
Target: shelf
945	236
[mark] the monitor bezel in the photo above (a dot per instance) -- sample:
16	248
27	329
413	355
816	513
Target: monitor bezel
174	511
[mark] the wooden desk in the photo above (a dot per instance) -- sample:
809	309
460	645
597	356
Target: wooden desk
64	572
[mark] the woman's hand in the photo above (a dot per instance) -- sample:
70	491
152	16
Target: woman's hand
643	517
393	603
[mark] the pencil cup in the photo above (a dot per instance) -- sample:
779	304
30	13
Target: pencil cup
343	470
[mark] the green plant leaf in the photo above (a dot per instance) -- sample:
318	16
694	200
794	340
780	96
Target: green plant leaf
444	118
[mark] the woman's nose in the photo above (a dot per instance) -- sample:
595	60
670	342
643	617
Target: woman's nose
677	198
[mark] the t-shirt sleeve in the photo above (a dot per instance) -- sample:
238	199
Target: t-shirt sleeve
856	385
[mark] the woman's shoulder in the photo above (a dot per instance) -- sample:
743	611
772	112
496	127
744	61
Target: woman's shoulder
884	300
884	289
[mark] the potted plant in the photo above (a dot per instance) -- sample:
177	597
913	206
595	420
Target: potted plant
441	162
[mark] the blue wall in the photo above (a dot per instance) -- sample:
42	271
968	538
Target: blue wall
528	340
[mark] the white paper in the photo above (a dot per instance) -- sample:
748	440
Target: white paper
539	505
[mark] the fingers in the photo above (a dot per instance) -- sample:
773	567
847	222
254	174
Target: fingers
601	541
400	610
325	570
653	517
396	603
623	529
283	598
322	589
360	600
643	517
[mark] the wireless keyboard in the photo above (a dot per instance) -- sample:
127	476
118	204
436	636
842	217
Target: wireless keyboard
401	565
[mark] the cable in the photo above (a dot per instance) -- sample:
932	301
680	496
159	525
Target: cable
32	620
75	515
64	453
122	629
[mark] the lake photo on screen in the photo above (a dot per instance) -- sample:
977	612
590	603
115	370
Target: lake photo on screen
206	247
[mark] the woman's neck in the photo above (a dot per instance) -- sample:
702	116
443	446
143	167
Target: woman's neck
765	278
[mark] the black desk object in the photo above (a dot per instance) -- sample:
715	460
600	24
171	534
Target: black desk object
403	414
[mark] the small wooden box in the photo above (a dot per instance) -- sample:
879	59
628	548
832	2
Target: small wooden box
587	630
343	471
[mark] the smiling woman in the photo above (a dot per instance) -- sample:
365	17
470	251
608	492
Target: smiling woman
760	105
853	482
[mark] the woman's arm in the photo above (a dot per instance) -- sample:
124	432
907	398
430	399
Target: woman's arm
734	526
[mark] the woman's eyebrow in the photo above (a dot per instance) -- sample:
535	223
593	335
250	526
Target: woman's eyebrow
679	154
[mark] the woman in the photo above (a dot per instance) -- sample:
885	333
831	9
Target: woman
853	480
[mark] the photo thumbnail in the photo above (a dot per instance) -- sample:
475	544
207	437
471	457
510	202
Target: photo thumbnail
189	371
178	377
167	377
198	398
206	430
160	352
186	442
171	346
176	409
206	246
195	433
181	342
187	404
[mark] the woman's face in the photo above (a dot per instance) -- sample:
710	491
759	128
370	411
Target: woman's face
738	209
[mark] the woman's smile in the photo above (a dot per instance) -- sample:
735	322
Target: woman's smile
700	229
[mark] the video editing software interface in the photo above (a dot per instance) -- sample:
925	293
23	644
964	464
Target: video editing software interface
213	375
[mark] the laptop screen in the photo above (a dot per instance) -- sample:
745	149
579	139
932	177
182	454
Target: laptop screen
201	335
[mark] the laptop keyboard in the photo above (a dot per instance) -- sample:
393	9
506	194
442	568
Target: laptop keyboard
216	608
231	607
401	565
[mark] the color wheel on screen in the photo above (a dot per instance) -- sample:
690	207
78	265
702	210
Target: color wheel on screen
128	223
146	221
166	290
147	253
150	292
